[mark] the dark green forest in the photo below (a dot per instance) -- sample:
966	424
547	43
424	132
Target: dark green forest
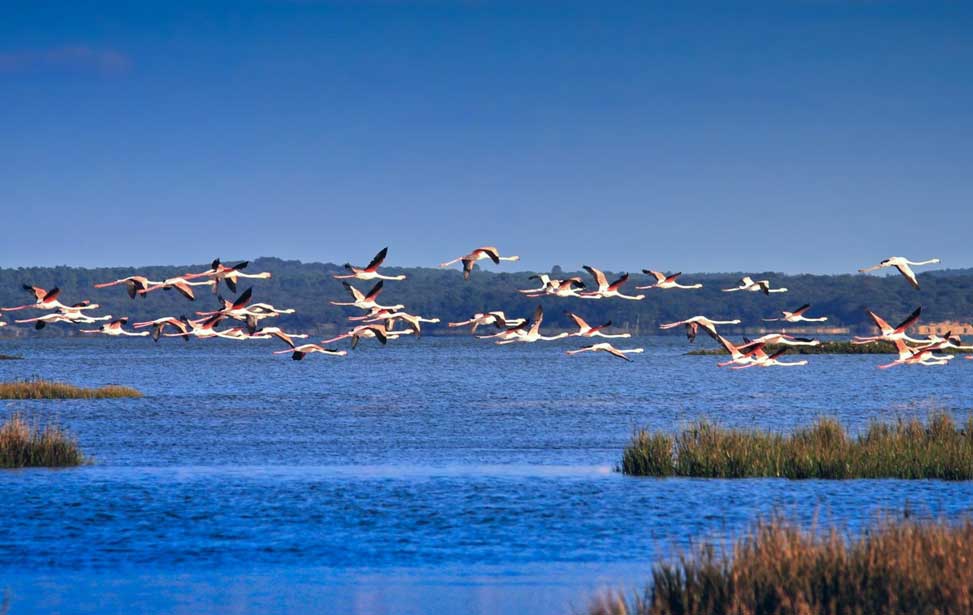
307	287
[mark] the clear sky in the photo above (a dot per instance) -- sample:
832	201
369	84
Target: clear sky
814	136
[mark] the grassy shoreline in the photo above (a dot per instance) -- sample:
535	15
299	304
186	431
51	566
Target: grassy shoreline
906	449
38	388
28	446
826	348
894	566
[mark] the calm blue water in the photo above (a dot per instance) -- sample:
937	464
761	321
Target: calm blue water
437	475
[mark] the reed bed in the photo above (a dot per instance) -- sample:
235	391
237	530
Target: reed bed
37	388
827	348
24	446
894	567
905	449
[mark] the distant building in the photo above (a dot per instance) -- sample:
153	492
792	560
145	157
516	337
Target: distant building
949	326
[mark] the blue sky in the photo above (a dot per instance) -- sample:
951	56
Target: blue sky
814	136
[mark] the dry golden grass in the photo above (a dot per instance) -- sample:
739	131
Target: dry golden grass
906	449
46	389
895	567
23	445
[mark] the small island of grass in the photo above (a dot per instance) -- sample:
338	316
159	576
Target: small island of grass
906	449
895	567
25	446
46	389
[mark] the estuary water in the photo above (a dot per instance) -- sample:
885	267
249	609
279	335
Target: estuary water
432	476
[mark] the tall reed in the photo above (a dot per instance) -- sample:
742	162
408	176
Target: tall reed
895	567
905	449
23	445
37	388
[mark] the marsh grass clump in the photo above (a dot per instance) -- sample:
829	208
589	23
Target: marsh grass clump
24	446
905	449
37	388
894	567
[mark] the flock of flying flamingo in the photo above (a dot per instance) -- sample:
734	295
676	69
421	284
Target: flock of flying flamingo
381	322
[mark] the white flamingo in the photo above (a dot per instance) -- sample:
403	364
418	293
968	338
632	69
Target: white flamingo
569	287
134	284
299	352
366	302
114	328
481	253
369	272
586	330
758	286
413	321
889	333
231	275
606	347
916	356
665	281
181	284
533	333
761	359
782	339
159	326
693	324
43	299
605	289
74	318
496	318
367	331
797	315
902	264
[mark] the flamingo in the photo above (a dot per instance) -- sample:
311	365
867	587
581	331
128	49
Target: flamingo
497	318
181	284
366	302
414	322
748	284
361	331
664	281
299	352
533	333
606	290
916	356
902	264
761	359
231	275
44	299
114	328
206	329
236	309
889	333
479	254
586	330
947	341
159	326
134	284
606	347
782	339
74	318
560	288
508	333
265	333
693	324
737	355
797	315
370	272
78	308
